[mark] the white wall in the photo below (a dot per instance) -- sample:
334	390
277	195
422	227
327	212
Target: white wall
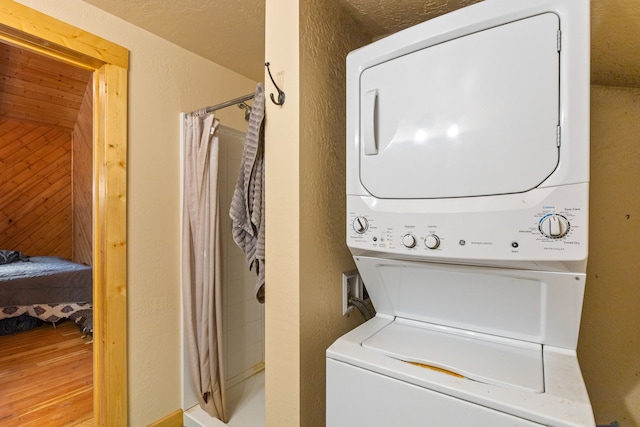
164	80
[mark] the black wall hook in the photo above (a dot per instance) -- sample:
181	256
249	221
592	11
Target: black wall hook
280	100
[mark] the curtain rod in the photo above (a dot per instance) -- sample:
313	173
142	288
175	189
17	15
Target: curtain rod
226	104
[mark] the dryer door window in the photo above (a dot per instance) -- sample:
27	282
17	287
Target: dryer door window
473	116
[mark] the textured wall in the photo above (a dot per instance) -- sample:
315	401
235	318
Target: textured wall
327	34
615	35
609	346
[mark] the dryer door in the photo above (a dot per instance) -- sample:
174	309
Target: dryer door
477	115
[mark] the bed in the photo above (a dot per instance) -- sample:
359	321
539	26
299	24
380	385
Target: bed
45	288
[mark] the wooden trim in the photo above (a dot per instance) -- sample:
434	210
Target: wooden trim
110	249
30	29
174	419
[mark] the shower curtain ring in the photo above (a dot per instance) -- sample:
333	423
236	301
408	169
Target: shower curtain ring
280	100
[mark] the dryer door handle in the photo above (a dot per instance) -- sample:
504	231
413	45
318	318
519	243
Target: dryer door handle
369	123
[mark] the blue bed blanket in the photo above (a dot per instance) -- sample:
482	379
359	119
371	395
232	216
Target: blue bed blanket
44	280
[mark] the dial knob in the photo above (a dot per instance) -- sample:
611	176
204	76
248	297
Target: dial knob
409	241
432	241
360	224
554	226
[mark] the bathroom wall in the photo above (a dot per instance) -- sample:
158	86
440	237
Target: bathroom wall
609	345
164	80
243	326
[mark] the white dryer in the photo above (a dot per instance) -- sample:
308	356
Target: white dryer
467	216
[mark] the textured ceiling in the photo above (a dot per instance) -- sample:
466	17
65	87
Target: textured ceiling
380	18
231	33
228	32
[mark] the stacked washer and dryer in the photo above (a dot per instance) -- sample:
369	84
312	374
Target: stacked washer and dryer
467	216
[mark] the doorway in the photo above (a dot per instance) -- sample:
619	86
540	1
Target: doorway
28	29
46	208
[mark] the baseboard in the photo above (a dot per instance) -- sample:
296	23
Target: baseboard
174	419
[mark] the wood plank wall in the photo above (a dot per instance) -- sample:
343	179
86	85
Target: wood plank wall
82	177
35	188
46	140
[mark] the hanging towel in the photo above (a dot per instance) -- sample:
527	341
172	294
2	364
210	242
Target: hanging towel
247	204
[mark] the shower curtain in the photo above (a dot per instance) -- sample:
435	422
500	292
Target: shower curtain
201	276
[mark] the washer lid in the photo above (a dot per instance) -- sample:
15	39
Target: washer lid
476	115
479	357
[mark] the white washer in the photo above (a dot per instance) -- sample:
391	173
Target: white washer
467	215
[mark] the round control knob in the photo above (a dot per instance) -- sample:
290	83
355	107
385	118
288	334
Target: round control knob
554	226
432	241
360	224
409	241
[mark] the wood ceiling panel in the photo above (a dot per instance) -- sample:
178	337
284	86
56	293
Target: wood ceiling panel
39	89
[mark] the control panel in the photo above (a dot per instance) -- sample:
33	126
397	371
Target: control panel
549	229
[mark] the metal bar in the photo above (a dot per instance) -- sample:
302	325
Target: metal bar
226	104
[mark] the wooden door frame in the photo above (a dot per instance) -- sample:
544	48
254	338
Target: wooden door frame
29	29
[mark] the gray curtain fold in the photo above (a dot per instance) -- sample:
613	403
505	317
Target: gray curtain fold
201	274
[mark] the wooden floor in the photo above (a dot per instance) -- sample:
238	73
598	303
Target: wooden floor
46	378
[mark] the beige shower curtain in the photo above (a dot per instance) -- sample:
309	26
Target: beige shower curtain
201	280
